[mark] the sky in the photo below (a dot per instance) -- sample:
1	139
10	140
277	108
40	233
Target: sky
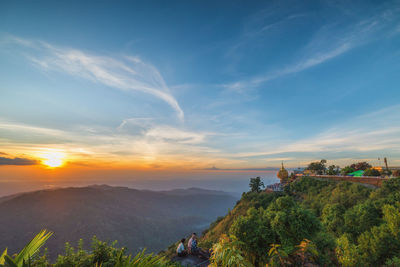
194	89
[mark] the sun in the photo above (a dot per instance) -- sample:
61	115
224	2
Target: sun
53	159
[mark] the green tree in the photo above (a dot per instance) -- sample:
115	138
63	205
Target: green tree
290	222
346	252
332	218
256	185
361	218
377	245
317	167
333	170
254	232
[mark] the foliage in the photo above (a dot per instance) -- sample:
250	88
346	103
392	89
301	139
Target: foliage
332	217
346	251
290	222
333	170
371	172
23	258
360	166
317	167
277	256
102	254
306	252
283	222
251	231
256	185
348	224
346	170
394	262
106	255
361	218
226	252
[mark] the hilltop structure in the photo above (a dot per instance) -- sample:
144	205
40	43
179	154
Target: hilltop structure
283	174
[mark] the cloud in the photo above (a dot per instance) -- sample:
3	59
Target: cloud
316	59
138	141
148	128
329	42
17	161
127	73
374	133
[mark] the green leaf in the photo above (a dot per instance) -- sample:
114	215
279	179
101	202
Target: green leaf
33	246
9	262
2	256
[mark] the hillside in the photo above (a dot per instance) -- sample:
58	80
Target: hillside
320	223
136	218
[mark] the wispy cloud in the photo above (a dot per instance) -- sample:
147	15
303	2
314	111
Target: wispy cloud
125	73
149	128
373	133
328	43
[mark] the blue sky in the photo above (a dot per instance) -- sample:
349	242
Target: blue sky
196	84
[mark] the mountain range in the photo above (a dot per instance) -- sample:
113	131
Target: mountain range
136	218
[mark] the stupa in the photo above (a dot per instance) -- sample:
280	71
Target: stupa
283	174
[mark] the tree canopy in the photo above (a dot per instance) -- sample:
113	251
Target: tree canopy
256	185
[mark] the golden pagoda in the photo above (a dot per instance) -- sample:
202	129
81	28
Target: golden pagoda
283	174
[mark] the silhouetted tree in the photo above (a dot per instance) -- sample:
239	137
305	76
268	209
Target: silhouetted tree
360	166
256	185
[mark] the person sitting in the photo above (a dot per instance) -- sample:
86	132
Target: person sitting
190	243
181	248
195	250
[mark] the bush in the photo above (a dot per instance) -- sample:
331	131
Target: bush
371	172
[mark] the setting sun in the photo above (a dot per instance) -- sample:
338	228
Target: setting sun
53	159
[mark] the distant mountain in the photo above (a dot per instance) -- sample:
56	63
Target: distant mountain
136	218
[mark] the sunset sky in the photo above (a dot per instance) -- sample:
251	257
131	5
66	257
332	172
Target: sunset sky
154	87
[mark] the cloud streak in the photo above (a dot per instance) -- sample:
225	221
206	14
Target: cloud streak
127	73
324	46
366	134
17	161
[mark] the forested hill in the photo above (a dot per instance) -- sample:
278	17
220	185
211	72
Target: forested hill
136	218
323	223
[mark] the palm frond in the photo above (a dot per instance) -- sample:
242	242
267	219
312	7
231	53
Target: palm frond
33	246
3	256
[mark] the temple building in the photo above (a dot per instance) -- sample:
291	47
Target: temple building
283	174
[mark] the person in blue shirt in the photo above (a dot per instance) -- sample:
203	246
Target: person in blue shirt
195	250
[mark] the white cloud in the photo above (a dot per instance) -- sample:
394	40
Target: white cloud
127	73
377	131
329	42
